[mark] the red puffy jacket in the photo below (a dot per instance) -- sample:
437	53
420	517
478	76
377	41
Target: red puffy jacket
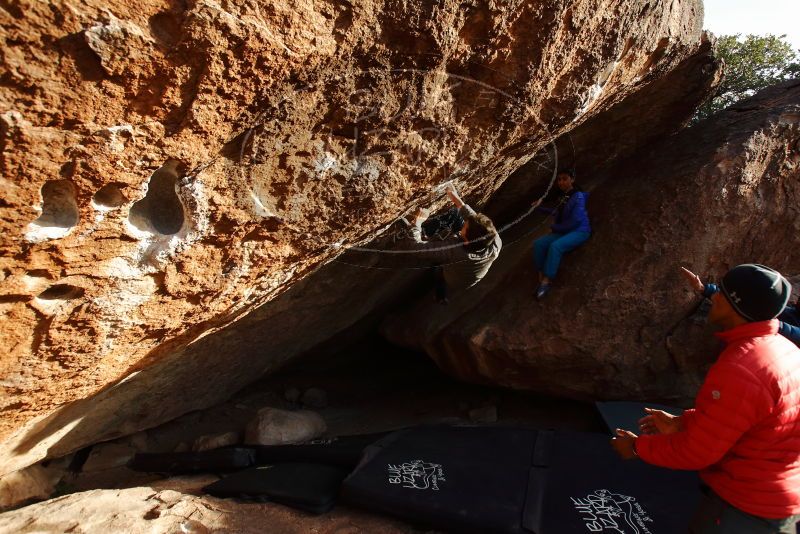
744	432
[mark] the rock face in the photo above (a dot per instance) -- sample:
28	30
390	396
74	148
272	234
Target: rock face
621	322
647	117
281	427
33	482
206	443
170	167
174	506
108	456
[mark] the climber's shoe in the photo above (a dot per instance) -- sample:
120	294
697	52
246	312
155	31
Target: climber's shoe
542	290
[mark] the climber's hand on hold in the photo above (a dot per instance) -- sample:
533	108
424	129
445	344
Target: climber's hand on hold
421	215
450	189
693	280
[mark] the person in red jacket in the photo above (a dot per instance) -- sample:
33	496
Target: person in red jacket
743	434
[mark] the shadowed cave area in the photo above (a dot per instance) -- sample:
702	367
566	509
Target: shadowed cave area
59	208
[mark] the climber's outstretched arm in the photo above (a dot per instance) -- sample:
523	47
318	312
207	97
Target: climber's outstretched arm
454	198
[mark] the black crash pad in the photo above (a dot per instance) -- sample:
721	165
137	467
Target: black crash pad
586	486
215	460
309	487
516	480
344	451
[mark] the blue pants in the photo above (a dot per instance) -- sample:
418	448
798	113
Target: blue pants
547	250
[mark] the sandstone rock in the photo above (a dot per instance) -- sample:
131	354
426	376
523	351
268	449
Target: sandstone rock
131	510
161	510
107	456
620	322
170	169
280	427
315	398
121	45
140	442
649	116
191	526
34	482
205	443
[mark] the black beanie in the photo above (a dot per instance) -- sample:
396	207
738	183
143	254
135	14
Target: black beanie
757	292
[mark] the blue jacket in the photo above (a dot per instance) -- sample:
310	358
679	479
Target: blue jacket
789	318
572	216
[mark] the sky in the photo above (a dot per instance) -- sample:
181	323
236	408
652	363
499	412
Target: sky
760	17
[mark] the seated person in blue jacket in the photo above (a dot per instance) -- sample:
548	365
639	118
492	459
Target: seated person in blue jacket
570	230
789	318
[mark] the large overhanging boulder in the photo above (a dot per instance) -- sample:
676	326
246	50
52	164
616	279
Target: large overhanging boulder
621	322
167	170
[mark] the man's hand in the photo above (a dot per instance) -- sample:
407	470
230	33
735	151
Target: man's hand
421	215
693	279
450	189
624	444
660	422
535	203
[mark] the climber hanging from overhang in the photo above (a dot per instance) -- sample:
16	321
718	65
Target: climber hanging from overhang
459	246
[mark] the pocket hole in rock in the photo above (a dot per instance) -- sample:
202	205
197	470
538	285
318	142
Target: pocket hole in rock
59	210
109	197
61	292
160	211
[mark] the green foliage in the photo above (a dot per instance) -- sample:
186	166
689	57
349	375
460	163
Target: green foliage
751	63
